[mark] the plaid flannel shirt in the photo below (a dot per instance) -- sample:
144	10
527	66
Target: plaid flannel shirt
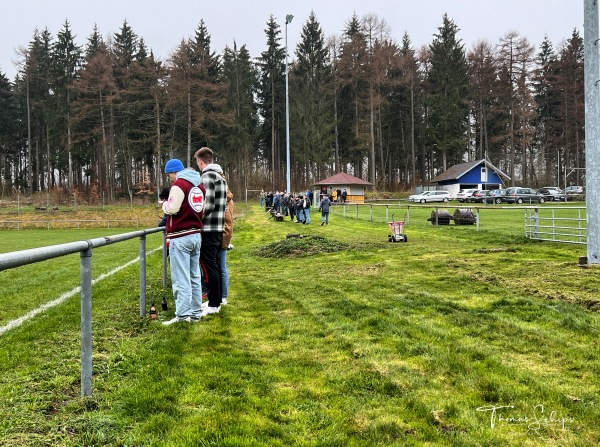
215	201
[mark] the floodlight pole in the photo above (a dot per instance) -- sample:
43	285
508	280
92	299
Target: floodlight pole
592	129
288	19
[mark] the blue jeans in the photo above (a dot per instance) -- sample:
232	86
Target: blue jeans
184	257
325	217
307	215
225	274
300	215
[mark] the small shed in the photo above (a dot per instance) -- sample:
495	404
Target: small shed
479	174
354	187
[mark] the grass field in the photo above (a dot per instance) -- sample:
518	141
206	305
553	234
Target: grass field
339	338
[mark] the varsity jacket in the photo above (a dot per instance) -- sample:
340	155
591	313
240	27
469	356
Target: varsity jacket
185	205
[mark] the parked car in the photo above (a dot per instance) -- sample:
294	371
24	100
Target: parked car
552	193
481	196
523	195
575	190
464	195
431	196
496	196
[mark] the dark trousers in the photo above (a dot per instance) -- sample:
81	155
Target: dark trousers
210	260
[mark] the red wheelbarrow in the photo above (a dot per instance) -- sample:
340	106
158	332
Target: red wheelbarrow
397	229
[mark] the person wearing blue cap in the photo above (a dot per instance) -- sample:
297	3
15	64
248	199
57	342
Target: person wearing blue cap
184	209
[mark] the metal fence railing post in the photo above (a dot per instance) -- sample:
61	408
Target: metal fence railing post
142	275
86	320
164	261
84	248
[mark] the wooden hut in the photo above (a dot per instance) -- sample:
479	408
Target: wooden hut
354	187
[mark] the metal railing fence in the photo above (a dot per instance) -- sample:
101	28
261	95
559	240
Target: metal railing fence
30	256
518	220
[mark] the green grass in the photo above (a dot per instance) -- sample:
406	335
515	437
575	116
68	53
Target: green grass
335	339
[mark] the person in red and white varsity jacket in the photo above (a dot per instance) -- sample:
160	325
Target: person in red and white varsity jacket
184	209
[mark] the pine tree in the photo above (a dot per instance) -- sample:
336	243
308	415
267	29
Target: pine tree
353	97
66	62
312	105
208	94
482	79
36	94
448	85
547	99
8	133
271	99
515	58
241	76
123	116
95	90
403	114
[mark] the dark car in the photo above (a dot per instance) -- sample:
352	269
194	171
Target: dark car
480	196
523	195
552	193
496	196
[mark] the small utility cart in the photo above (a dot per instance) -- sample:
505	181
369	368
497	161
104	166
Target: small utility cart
397	229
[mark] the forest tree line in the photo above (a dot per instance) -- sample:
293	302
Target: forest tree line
103	118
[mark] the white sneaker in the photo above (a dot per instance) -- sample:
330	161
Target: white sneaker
176	320
224	301
210	310
204	305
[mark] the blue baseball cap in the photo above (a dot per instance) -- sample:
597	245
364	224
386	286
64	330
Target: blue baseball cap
173	165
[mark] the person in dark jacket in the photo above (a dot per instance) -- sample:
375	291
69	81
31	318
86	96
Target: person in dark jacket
292	207
306	207
324	208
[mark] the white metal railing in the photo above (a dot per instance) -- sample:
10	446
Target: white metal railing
555	225
548	223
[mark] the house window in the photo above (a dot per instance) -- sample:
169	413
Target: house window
484	175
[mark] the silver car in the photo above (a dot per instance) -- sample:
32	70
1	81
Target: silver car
431	196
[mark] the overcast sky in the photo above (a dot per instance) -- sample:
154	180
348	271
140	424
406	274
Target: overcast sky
163	24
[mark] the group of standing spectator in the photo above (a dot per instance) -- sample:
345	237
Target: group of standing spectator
337	195
199	226
297	206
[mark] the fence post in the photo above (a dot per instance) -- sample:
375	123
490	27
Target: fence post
164	260
387	213
142	275
357	211
371	213
86	320
477	219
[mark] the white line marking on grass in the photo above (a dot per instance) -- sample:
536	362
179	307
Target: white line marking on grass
65	296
